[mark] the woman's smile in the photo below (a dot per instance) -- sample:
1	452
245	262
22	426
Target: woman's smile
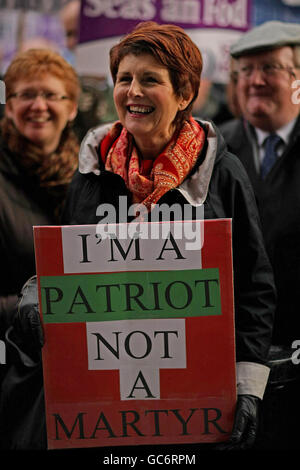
140	110
39	120
146	102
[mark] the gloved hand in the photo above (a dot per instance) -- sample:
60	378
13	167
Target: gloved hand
27	322
245	424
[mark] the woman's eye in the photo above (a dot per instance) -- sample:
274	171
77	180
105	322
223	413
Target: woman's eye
151	80
124	79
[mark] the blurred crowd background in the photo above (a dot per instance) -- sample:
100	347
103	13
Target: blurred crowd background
55	24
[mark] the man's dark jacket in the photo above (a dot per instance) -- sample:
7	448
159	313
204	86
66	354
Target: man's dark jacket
278	200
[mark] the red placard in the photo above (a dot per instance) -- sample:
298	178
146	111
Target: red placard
137	350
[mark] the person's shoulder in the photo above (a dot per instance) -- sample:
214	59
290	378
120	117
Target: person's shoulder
231	127
95	134
7	165
225	160
230	161
79	179
230	168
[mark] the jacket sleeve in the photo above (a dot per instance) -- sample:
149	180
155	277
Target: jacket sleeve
254	287
81	201
70	201
7	310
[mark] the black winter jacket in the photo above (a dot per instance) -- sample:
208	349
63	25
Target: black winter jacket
228	195
22	205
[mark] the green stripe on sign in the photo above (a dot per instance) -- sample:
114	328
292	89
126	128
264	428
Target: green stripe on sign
130	295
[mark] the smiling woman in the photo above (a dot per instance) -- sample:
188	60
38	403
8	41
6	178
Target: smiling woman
39	111
38	156
40	99
146	102
158	155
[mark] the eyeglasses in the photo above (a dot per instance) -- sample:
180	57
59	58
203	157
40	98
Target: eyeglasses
31	96
267	70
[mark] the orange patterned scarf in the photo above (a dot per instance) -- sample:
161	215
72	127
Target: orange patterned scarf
169	169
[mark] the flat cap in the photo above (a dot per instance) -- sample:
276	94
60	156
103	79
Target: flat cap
269	35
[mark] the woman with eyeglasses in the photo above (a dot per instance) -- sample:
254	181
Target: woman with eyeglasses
38	156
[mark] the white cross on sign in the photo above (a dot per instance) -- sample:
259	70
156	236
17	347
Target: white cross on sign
138	349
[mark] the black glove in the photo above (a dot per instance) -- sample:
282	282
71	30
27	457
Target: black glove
245	424
27	324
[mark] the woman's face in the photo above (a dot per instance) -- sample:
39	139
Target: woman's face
145	100
39	119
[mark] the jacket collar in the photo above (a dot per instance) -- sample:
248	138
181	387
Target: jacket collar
194	188
88	152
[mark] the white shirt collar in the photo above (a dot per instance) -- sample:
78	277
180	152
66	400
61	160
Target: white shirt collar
284	132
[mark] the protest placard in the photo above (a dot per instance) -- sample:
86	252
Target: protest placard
139	335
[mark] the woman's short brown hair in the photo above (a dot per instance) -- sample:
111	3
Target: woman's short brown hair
38	62
172	48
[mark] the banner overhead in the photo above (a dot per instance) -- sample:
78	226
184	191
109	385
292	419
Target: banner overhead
212	24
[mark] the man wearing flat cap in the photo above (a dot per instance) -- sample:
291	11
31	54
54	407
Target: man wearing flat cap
267	140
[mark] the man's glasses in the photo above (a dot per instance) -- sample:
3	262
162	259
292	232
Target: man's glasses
31	96
267	70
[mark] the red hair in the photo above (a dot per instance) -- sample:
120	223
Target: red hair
38	62
171	47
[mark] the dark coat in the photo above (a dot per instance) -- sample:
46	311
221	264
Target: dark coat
22	205
278	200
229	196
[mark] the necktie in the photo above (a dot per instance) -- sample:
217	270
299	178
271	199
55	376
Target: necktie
270	157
